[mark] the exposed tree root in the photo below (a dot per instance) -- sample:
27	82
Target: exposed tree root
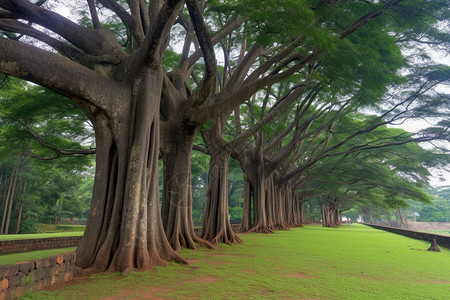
434	246
226	238
260	229
179	241
204	243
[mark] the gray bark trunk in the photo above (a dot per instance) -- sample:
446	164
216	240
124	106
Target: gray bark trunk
124	229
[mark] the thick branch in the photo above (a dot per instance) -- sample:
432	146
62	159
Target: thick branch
150	53
66	49
216	38
94	15
207	85
91	41
60	74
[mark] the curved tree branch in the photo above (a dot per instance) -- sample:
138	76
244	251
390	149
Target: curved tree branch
126	18
92	41
208	83
60	74
94	15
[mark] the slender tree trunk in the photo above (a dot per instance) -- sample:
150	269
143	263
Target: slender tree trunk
400	217
247	221
124	229
8	202
301	209
5	198
271	197
20	207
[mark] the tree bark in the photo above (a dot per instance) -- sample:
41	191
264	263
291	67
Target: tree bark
247	220
252	164
124	229
216	221
177	189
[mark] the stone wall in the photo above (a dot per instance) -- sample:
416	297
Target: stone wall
35	274
428	225
16	246
417	225
441	240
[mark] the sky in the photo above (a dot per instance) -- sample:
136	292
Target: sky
439	177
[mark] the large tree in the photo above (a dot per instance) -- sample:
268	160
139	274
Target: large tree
119	87
119	81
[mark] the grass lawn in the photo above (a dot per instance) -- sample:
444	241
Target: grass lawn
351	262
47	228
11	237
8	259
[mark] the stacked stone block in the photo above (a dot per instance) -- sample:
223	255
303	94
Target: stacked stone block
35	274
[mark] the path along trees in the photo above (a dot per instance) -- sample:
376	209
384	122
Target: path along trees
139	108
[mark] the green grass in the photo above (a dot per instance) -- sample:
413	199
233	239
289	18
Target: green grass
351	262
11	237
13	258
71	227
51	228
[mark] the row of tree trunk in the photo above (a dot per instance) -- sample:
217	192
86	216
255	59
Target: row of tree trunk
12	186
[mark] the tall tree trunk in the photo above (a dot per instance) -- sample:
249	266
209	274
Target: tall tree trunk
400	217
299	201
293	208
19	216
216	221
177	190
247	221
275	204
20	205
252	166
124	229
8	202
